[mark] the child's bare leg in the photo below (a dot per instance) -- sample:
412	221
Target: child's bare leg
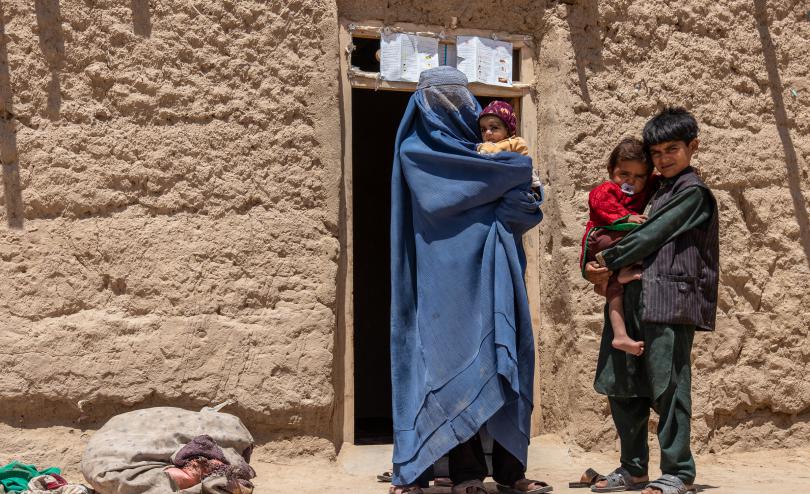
620	339
629	273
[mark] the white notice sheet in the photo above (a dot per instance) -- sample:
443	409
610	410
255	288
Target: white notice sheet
485	60
404	56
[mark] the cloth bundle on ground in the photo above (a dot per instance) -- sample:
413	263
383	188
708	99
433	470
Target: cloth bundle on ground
54	484
26	479
15	476
129	454
462	350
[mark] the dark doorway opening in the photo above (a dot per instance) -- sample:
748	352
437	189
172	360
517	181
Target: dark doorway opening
375	119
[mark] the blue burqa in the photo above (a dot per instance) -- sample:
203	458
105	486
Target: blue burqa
462	350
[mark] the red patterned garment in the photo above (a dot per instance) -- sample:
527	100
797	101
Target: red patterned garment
608	205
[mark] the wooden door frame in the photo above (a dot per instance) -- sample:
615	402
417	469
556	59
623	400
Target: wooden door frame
350	79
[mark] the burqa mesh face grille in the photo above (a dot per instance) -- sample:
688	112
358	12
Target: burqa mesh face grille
448	98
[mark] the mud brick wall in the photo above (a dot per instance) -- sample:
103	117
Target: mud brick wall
172	173
177	196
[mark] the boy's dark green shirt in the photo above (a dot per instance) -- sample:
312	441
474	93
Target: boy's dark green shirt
684	211
667	346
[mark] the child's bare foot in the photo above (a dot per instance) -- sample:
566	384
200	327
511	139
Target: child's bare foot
629	345
628	274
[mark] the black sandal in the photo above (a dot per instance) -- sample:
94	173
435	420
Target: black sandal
469	487
522	487
588	478
618	480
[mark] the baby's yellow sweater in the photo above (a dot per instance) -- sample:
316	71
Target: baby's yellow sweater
512	144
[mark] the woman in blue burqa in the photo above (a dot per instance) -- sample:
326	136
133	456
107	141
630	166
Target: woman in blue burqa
462	350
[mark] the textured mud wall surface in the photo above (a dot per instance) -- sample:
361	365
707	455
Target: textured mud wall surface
178	199
742	68
603	69
174	170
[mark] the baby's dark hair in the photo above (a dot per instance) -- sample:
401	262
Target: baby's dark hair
671	124
628	149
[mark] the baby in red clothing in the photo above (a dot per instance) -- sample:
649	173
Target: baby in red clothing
616	207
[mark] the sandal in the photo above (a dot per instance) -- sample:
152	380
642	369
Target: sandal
385	477
670	484
405	489
442	482
522	487
588	478
617	480
469	487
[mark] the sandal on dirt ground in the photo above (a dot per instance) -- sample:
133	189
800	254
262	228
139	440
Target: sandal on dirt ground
522	487
437	482
469	487
442	482
618	480
588	478
405	489
670	484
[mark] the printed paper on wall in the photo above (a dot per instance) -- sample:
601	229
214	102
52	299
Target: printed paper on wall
404	56
485	60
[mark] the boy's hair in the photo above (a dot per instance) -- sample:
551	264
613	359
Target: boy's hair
671	124
628	149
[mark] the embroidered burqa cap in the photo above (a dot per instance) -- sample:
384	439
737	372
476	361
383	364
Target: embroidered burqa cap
441	76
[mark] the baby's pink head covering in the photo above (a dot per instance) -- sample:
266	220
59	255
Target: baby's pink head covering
504	111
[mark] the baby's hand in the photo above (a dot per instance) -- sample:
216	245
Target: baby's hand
637	218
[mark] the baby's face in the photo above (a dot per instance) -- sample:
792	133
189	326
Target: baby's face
633	173
492	129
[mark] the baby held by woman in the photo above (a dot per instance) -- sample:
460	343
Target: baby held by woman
498	125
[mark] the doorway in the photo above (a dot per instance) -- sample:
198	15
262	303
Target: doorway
375	119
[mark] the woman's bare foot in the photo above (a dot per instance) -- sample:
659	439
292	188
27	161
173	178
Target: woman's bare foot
628	274
629	345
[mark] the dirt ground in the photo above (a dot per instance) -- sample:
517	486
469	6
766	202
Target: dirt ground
550	459
354	470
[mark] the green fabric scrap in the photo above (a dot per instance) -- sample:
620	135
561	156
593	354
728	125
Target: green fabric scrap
15	476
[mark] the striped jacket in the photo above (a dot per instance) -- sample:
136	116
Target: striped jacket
680	279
